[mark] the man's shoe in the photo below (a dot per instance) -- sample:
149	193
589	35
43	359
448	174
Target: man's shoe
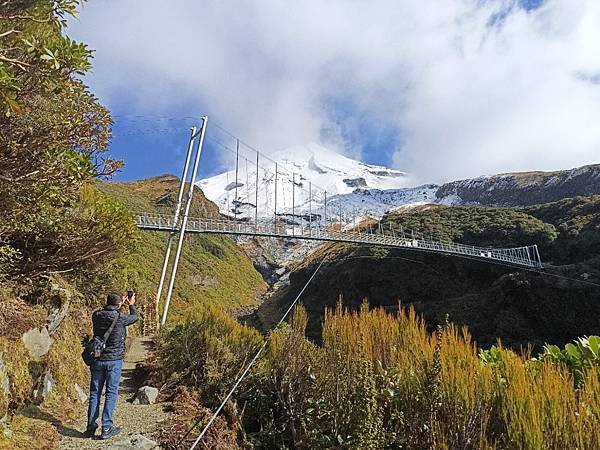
89	433
112	431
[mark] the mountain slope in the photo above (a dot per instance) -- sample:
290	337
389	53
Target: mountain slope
520	307
523	188
212	268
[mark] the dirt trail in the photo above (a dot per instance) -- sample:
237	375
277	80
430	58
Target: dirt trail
133	419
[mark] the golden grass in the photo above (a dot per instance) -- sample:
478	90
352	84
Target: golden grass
381	381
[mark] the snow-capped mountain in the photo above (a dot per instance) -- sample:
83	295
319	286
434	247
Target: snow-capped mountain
311	181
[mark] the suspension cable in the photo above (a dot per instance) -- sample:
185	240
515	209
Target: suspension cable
248	367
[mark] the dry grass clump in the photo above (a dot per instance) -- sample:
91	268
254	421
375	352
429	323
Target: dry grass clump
381	381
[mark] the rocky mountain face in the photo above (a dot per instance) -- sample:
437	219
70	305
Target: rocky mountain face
522	189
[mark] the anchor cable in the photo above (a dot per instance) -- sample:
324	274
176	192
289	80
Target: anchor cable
248	367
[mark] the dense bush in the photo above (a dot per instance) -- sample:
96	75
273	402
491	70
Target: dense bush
578	223
207	351
382	381
495	227
53	139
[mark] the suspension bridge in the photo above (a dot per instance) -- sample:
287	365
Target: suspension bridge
263	197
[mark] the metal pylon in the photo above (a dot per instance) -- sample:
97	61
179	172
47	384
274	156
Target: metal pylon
184	220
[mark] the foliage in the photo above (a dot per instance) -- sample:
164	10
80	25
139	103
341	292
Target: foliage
207	351
578	357
483	226
382	381
52	141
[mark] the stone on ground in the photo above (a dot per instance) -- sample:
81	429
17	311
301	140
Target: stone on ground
146	395
81	393
135	442
45	386
56	317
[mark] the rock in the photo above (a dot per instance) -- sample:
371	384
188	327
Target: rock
45	386
63	293
147	395
37	342
135	442
56	317
81	393
4	391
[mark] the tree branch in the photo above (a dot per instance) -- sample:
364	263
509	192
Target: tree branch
9	32
26	17
21	64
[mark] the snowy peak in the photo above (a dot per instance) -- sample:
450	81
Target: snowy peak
295	181
337	173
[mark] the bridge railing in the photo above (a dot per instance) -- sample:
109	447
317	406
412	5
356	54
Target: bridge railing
522	256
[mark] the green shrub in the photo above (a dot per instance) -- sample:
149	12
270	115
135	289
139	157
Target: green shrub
208	351
578	357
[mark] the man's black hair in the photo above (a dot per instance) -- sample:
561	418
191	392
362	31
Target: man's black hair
114	299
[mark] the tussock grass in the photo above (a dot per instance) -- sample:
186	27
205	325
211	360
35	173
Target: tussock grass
382	381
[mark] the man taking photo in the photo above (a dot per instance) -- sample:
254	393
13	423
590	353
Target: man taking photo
106	368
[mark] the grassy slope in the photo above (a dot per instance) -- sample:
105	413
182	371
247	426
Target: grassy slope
212	268
494	301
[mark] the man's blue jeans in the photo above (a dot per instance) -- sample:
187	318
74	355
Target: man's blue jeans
109	373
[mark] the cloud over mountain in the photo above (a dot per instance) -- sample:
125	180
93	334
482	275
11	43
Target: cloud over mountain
443	90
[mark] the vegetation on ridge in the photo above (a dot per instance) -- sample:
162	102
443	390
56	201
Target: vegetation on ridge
212	268
521	308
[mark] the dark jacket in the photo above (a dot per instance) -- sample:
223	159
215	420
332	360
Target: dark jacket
115	345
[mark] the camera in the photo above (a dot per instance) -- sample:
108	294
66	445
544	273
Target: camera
130	294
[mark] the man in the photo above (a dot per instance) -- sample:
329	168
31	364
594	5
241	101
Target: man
107	368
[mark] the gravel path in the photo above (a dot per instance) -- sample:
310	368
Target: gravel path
133	419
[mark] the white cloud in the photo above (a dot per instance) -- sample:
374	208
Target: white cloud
468	96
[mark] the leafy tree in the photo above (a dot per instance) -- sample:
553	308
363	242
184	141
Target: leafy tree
53	138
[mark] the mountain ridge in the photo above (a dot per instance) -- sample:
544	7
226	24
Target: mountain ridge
354	188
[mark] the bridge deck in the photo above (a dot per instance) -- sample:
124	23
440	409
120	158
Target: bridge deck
520	256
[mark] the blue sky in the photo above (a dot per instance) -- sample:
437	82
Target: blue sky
443	92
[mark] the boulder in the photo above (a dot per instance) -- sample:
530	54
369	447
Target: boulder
4	391
135	442
81	393
45	386
37	342
56	317
146	395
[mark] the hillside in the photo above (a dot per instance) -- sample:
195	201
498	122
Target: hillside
522	188
521	308
212	268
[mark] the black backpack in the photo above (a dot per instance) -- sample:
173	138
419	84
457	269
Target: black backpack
93	348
